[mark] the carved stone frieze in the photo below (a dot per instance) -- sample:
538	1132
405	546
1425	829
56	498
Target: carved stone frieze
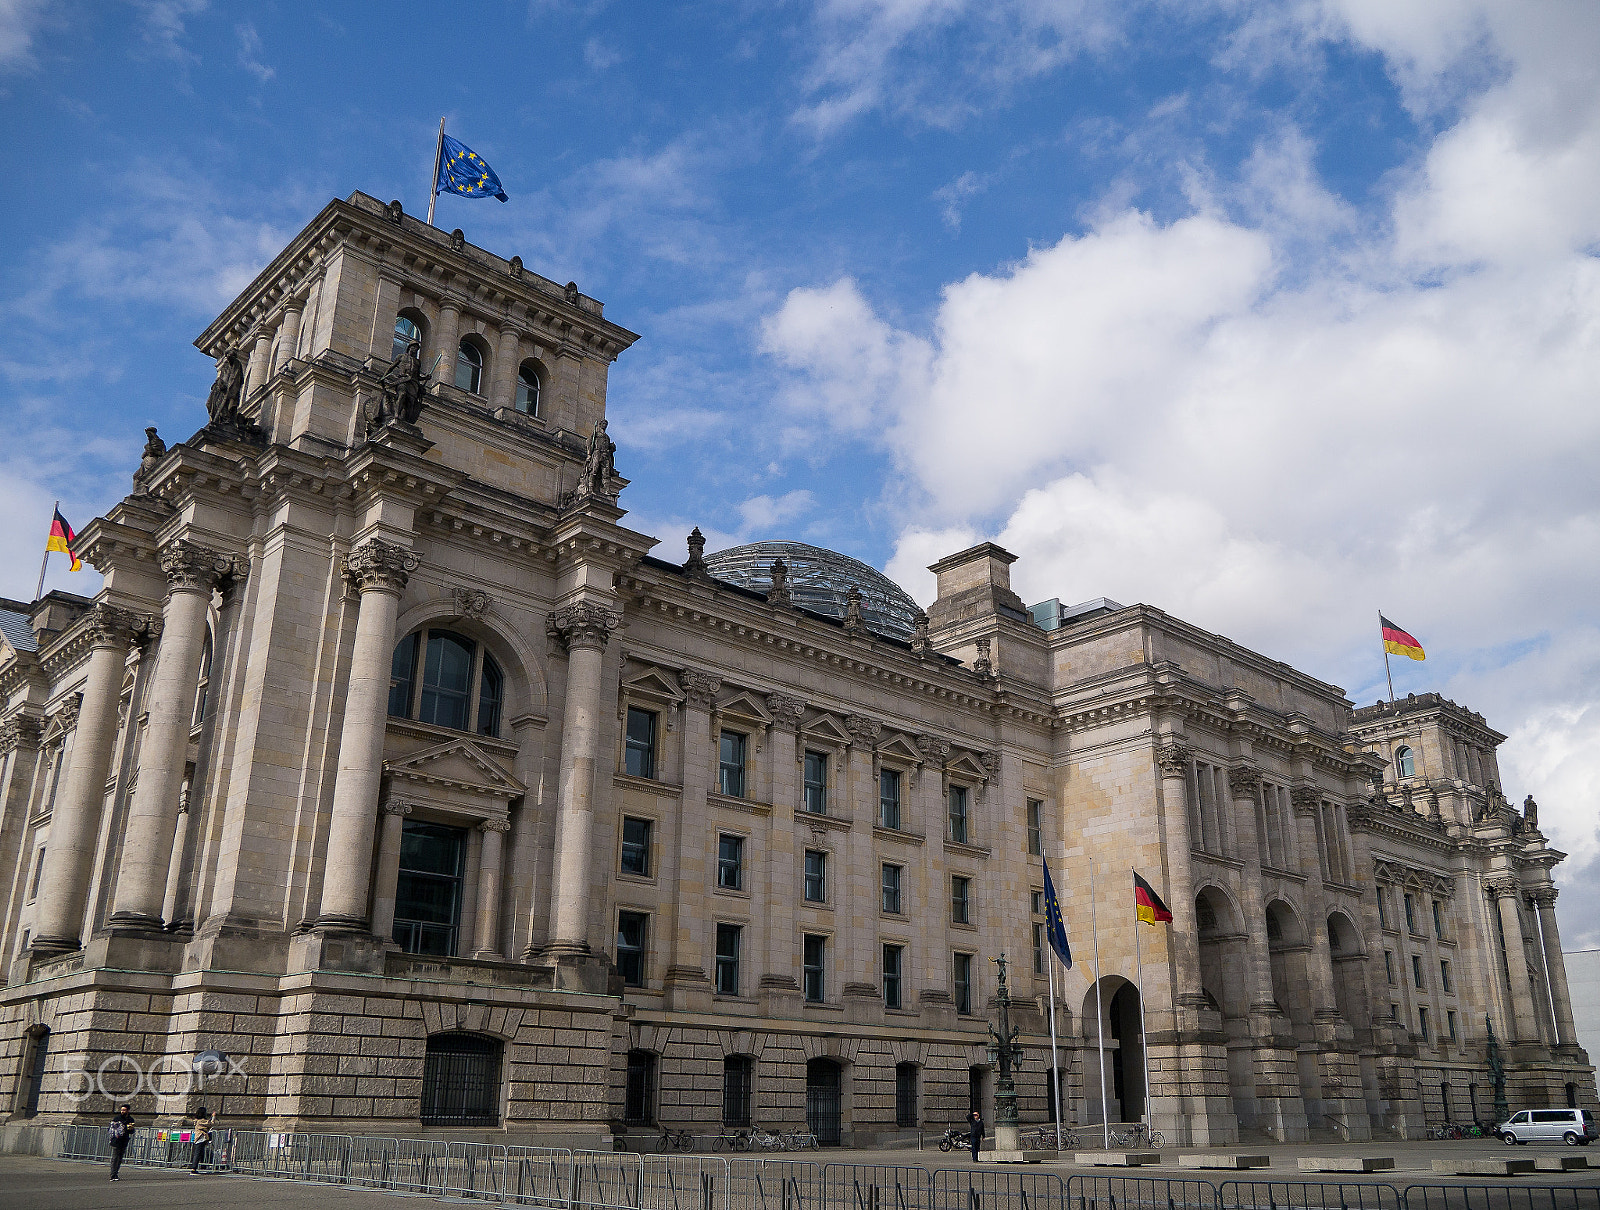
984	665
582	625
1244	780
935	751
191	567
471	603
379	565
863	731
397	807
1173	757
699	688
786	710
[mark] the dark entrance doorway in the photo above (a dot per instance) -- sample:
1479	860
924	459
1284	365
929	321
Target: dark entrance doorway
825	1101
1127	1060
38	1058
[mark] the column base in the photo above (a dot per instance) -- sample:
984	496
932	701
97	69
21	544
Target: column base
938	1010
336	922
134	920
47	948
687	989
134	947
780	996
576	969
337	949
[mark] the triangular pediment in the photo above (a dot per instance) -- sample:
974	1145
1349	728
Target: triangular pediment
899	746
966	765
826	727
457	764
653	682
747	706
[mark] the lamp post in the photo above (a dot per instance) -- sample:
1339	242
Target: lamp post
1497	1073
1006	1054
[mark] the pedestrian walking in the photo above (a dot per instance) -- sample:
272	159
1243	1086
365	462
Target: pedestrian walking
204	1123
975	1132
120	1134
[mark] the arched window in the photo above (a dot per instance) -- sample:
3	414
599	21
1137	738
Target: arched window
406	330
469	367
446	679
528	388
1404	764
461	1080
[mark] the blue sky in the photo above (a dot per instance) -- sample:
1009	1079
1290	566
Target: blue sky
1269	315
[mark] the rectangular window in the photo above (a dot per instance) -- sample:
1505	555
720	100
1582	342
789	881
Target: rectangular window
639	748
889	799
892	955
1383	907
1394	1012
636	846
728	959
1035	827
1036	901
963	984
958	814
1388	965
640	1096
38	873
816	876
1038	948
730	862
816	772
730	768
891	889
1438	921
905	1094
1411	912
1450	1024
1416	970
960	899
630	947
737	1071
812	972
1422	1024
1444	976
427	907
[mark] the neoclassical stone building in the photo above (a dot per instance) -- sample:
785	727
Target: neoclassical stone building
391	763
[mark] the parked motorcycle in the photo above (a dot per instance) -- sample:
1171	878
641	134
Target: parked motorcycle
955	1137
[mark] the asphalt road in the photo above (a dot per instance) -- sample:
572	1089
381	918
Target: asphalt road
30	1183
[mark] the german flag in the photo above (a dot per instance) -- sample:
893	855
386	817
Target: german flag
1150	908
1398	642
63	539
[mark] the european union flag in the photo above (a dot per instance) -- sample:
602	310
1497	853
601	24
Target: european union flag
462	170
1055	929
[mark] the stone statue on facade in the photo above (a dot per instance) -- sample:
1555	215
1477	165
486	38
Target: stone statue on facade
227	392
1530	814
155	450
600	467
404	389
695	566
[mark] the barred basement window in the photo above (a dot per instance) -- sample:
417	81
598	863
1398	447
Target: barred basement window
461	1081
905	1094
639	1093
737	1071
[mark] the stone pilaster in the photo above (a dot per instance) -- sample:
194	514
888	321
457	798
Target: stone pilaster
1173	761
489	882
379	571
288	334
779	989
688	983
387	877
1525	1018
503	374
192	573
75	822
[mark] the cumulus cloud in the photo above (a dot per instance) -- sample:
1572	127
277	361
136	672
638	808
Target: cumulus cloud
1272	415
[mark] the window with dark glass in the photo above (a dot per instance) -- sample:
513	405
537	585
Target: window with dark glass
1411	913
889	798
816	778
1416	970
737	1072
640	744
1444	975
1038	948
631	928
469	367
203	688
427	901
405	331
963	984
905	1094
639	1095
1035	826
528	389
893	956
1036	902
728	959
1450	1023
636	846
816	879
730	862
960	899
1422	1024
1383	907
460	685
891	888
1438	921
811	969
1388	966
730	767
958	814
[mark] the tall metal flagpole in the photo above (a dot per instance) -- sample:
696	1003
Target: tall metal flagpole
1099	1010
1055	1053
45	562
1385	643
1144	1034
433	183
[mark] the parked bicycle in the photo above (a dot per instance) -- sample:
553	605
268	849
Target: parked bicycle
676	1141
1138	1135
1454	1130
764	1140
1044	1138
732	1140
801	1140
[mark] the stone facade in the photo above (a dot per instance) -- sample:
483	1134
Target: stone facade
656	847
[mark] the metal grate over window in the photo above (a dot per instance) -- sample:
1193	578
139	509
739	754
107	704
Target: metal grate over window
461	1081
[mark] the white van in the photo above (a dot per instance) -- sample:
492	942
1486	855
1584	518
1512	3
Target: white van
1571	1126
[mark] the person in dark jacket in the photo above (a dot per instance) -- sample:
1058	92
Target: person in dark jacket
121	1134
975	1132
204	1123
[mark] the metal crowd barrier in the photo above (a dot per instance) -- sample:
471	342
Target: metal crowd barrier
558	1179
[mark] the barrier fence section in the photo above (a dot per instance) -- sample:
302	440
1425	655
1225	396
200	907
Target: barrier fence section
1503	1197
1139	1193
1308	1195
990	1189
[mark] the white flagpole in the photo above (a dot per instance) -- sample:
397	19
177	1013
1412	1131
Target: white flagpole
433	183
1144	1035
1385	645
45	562
1055	1053
1099	1011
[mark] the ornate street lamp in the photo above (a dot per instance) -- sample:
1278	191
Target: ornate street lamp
1006	1054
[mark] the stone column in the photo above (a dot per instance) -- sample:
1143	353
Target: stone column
289	333
503	373
441	360
1244	783
1525	1018
688	983
192	573
379	571
260	356
180	836
779	989
1544	902
75	822
1172	758
1307	804
388	873
489	880
584	628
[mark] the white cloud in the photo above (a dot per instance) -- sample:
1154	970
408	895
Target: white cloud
955	195
165	27
599	56
250	57
761	514
19	22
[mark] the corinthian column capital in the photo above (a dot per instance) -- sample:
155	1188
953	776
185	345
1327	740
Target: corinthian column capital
699	688
380	565
110	626
786	710
494	825
190	567
1306	799
582	625
19	731
1244	780
1173	757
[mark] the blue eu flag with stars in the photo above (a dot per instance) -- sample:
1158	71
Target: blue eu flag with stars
1055	929
462	170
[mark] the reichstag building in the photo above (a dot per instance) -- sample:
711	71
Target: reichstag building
391	763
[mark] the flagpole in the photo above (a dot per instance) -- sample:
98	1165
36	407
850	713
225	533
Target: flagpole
1144	1034
1055	1053
433	184
1386	671
45	562
1099	1010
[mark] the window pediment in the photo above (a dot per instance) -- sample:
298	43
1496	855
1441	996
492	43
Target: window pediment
653	685
826	729
900	748
966	767
745	707
458	765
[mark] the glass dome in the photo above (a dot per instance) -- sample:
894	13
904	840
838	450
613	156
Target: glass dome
820	581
